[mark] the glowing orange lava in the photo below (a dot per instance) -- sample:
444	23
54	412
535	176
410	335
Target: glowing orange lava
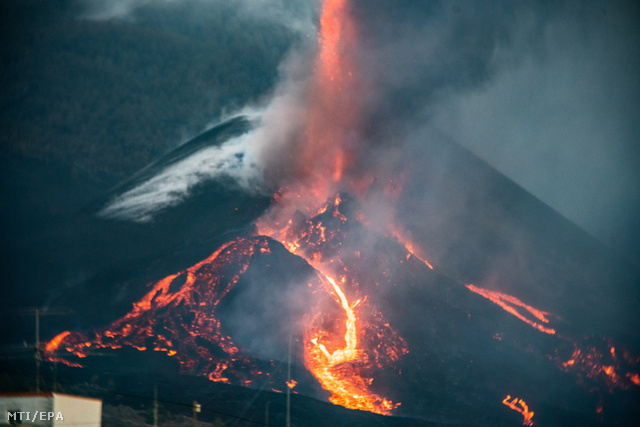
188	330
292	383
510	303
608	369
346	338
336	349
336	357
520	406
50	349
415	250
329	356
52	345
327	148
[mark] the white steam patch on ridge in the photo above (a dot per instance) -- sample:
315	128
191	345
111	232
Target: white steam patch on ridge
115	9
295	15
254	161
234	159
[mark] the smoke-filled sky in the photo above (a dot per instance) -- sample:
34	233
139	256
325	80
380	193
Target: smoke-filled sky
560	119
545	92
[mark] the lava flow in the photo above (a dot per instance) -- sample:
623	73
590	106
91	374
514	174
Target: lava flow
599	363
334	361
346	339
520	406
510	304
178	317
337	355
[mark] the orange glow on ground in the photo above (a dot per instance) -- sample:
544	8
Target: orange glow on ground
334	349
139	328
53	345
332	358
406	241
292	383
336	357
608	369
520	406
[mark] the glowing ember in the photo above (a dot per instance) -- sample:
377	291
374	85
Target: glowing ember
292	383
52	345
510	304
188	329
520	406
51	348
608	369
410	246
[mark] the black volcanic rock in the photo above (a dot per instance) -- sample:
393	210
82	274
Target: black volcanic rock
65	256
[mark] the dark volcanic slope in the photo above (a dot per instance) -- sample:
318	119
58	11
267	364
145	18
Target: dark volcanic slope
63	255
479	227
466	354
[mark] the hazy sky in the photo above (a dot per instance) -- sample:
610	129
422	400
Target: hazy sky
562	120
546	92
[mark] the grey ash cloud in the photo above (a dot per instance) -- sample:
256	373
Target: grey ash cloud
546	92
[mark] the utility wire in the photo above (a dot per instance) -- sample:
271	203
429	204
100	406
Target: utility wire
187	405
260	390
181	404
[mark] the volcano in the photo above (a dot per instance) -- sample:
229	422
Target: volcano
440	349
296	272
